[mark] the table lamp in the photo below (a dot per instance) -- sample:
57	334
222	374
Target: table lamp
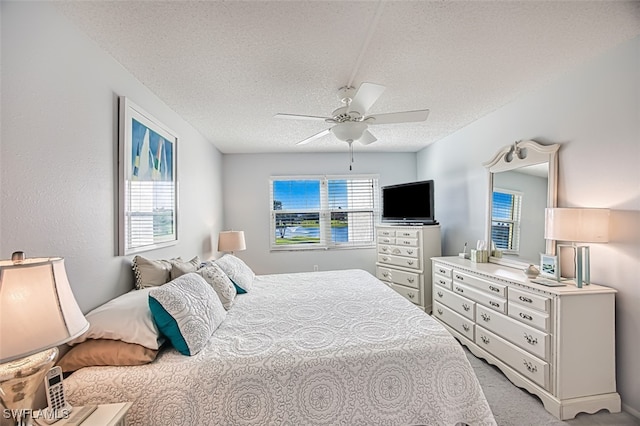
38	312
231	241
577	225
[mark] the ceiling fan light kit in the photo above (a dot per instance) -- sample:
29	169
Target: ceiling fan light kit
351	122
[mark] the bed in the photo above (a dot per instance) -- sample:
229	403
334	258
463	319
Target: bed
318	348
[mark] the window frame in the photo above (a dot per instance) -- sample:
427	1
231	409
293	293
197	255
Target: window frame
325	213
516	220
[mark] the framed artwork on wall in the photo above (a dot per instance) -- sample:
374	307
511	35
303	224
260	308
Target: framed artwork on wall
148	186
549	267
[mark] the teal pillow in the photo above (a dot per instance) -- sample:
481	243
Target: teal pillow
186	311
239	289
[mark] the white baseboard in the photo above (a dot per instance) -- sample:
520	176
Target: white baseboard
634	413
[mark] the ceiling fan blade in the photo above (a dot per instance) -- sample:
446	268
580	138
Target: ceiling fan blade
302	117
365	97
316	136
367	138
398	117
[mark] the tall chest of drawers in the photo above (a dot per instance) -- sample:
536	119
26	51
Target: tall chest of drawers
556	342
403	259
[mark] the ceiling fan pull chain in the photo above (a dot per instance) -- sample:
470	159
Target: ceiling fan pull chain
351	155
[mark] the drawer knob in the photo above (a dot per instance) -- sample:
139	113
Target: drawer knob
496	289
439	311
525	316
440	294
485	317
459	289
525	299
532	368
530	339
409	262
442	271
494	304
411	280
385	258
459	277
385	274
466	307
409	251
442	282
384	248
411	295
407	243
484	339
466	327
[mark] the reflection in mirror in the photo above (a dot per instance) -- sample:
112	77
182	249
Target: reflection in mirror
522	183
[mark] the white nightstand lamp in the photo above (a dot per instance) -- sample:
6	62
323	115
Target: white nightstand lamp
38	312
231	241
577	225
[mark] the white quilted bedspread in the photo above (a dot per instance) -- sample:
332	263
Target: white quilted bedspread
330	348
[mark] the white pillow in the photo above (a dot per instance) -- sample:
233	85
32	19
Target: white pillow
125	318
237	270
220	282
187	311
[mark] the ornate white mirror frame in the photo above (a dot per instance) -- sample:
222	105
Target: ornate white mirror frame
522	154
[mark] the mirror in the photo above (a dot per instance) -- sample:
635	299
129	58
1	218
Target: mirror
522	183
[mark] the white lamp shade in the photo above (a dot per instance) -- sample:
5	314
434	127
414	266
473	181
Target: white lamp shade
37	307
577	225
231	241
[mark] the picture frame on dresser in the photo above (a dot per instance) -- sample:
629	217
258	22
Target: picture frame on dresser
148	185
549	267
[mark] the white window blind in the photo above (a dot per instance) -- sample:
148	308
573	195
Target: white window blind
506	210
323	211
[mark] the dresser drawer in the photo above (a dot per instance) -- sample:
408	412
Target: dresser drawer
386	240
489	300
407	233
406	262
386	232
484	285
442	281
410	242
460	304
411	294
408	279
459	323
531	317
531	300
528	338
531	367
399	250
442	270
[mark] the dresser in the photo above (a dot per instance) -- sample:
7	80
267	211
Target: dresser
556	342
403	259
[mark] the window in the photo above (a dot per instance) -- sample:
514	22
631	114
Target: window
505	220
322	212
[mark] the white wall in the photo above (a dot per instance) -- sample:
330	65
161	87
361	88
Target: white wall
58	154
246	189
594	113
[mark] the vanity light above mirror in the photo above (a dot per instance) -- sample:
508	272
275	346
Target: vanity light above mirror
522	184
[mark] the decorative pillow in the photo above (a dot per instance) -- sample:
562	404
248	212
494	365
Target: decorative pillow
126	318
241	275
187	311
179	268
100	352
220	282
151	273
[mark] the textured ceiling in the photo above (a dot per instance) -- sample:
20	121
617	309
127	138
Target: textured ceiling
228	67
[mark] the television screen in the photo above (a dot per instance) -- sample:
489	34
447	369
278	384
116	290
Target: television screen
409	202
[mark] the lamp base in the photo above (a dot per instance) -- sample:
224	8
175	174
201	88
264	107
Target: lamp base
20	380
581	262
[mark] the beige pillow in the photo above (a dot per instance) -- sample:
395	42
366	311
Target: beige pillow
103	352
152	273
179	268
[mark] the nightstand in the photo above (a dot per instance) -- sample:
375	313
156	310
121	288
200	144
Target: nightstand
104	415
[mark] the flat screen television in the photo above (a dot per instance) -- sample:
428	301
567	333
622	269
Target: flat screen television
410	203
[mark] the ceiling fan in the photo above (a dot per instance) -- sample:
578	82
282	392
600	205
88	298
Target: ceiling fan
351	122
